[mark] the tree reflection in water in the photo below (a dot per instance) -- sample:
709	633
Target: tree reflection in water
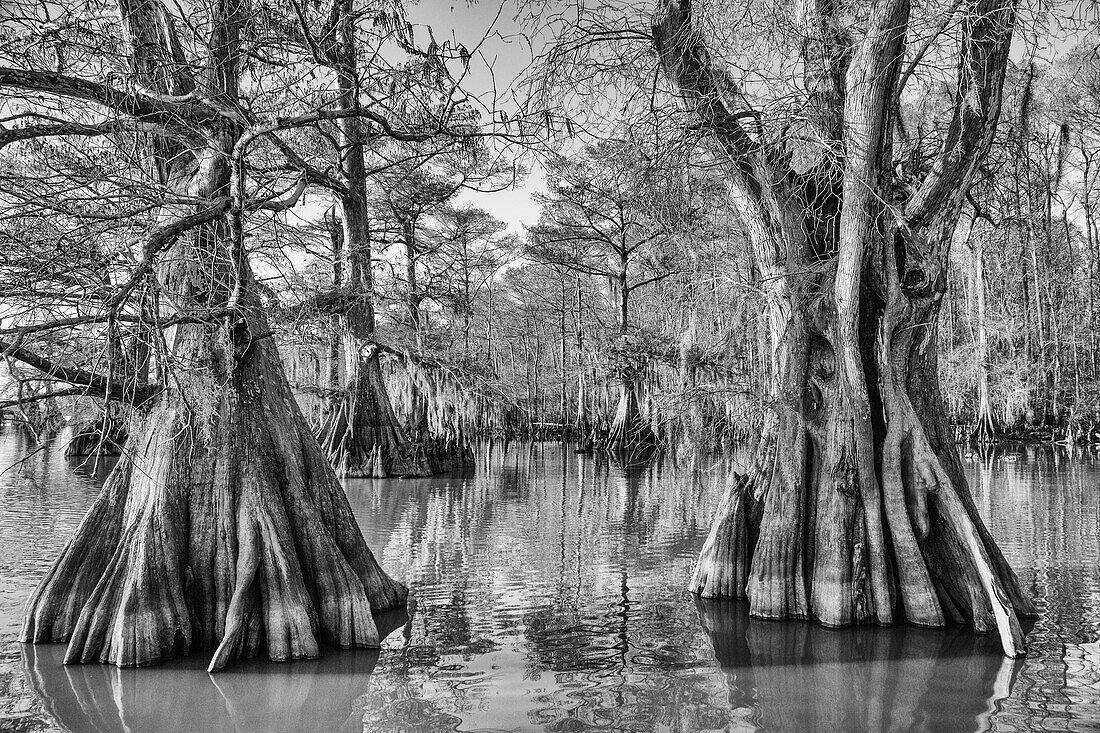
903	678
548	595
253	696
575	618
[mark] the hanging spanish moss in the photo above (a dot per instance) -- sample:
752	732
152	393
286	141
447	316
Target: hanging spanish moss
362	436
437	410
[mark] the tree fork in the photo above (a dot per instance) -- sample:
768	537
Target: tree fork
865	506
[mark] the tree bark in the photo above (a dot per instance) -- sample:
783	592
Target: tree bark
856	509
224	529
223	525
361	436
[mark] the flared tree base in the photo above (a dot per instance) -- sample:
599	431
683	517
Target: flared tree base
985	431
630	434
227	531
362	437
630	439
957	574
382	458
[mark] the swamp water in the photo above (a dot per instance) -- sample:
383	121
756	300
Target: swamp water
548	594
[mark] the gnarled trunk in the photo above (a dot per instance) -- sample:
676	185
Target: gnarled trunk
223	524
803	534
856	509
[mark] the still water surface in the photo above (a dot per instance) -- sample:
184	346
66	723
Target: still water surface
548	595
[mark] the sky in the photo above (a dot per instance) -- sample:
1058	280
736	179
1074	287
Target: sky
504	51
505	48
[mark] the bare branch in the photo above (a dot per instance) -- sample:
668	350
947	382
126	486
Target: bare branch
134	104
96	384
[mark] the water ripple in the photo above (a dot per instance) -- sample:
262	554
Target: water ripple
547	595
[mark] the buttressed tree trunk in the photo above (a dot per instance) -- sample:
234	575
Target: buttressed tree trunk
223	525
856	509
630	431
361	436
